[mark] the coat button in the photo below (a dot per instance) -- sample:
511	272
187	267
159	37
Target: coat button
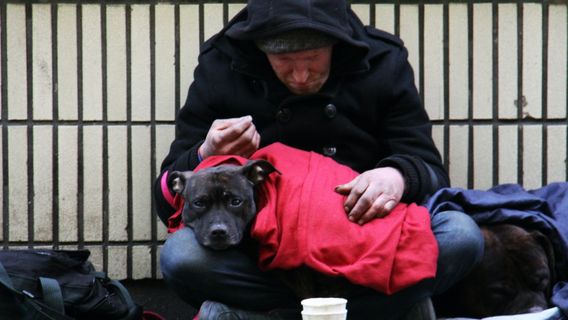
284	115
330	111
329	151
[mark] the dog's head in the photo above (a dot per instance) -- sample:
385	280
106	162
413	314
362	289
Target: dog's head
219	201
515	276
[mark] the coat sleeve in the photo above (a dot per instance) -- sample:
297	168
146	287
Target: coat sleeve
192	124
408	133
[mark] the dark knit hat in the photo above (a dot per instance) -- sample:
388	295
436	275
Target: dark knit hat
295	40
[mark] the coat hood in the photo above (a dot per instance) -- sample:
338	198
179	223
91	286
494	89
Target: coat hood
266	18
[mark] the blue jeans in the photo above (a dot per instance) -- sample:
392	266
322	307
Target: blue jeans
232	277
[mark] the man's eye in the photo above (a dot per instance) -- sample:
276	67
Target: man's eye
235	202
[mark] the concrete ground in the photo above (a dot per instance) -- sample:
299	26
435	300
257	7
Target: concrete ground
153	295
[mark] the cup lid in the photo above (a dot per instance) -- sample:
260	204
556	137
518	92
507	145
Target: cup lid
315	302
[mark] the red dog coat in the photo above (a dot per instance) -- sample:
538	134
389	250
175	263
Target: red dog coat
301	221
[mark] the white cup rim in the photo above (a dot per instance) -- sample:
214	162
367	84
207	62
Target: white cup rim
316	302
324	313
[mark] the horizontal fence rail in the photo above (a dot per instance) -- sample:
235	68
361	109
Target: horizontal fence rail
90	90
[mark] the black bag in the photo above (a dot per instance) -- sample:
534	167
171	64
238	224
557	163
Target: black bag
60	285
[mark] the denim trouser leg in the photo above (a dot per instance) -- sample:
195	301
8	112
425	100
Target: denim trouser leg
460	244
232	277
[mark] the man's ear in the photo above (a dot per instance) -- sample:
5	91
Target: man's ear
177	180
256	171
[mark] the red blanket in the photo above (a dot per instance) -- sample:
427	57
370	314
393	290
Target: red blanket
301	221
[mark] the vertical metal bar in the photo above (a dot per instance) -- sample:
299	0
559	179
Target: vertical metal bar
5	158
129	167
201	23
446	151
373	9
80	155
544	91
470	118
154	227
397	17
495	88
520	97
29	123
177	58
566	115
105	191
55	125
225	12
421	48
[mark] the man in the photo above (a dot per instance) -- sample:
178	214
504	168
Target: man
310	75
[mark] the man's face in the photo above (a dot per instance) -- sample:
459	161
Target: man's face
302	72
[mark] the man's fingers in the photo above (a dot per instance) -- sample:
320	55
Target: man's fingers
366	217
343	189
390	205
251	142
256	140
224	134
367	209
234	130
221	124
245	144
356	203
228	133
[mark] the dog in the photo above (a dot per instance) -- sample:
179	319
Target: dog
515	276
220	201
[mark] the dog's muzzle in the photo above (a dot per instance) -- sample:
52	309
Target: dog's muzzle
219	237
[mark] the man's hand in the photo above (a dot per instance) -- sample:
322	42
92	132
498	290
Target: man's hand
372	194
236	136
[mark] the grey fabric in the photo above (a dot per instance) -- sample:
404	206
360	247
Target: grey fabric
423	310
295	40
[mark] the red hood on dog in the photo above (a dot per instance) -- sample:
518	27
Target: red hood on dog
301	221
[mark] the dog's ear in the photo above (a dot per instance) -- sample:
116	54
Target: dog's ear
256	171
177	180
548	249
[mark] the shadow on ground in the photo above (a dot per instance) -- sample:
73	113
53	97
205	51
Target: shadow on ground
153	295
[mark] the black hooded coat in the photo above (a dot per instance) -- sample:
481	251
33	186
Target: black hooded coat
367	115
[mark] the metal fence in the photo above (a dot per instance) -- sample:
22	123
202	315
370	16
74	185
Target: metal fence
90	89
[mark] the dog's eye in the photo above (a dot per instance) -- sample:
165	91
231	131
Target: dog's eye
199	203
499	292
235	202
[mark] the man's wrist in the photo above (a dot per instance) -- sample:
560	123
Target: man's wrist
404	180
199	154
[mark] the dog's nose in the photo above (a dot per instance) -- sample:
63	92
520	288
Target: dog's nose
535	309
219	231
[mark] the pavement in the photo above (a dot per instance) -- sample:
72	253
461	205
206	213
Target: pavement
153	295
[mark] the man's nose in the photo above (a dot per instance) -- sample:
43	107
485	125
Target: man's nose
300	73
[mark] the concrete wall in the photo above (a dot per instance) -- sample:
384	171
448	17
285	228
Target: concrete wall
89	93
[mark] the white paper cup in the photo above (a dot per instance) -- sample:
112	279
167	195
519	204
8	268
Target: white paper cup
324	316
324	309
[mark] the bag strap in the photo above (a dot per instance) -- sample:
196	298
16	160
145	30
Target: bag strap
52	296
134	311
5	279
122	291
36	309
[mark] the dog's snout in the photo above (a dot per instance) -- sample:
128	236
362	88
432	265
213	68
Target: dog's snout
535	309
219	231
